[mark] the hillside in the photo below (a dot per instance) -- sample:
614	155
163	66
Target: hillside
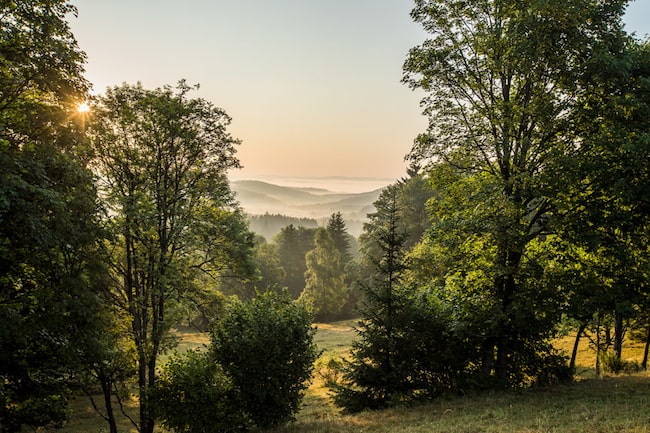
263	198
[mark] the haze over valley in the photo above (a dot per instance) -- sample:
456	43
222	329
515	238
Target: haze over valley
305	203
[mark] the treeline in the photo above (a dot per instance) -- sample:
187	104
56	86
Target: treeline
269	225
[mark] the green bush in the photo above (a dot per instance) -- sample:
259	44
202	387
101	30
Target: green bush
194	395
266	346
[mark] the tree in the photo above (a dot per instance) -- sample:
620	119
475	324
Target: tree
266	346
293	243
605	213
161	158
48	216
406	350
269	272
339	234
375	370
501	78
325	288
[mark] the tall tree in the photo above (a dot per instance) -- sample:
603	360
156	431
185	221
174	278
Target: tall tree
608	178
375	368
293	243
161	158
406	348
48	209
501	77
325	288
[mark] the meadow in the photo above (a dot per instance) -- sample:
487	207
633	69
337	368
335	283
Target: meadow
611	403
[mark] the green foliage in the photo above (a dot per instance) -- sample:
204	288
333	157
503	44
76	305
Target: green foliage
48	224
612	363
407	348
325	290
603	213
270	273
293	243
414	354
161	159
266	346
339	234
194	395
502	79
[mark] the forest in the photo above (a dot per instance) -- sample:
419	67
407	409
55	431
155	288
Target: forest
523	216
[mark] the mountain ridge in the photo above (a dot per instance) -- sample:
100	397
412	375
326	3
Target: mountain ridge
264	198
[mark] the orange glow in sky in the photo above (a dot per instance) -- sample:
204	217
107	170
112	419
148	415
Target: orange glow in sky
313	86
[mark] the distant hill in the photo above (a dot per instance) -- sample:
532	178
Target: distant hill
262	198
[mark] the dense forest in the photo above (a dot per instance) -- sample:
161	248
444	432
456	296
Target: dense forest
524	212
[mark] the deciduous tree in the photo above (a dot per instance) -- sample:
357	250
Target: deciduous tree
48	208
161	158
501	77
325	288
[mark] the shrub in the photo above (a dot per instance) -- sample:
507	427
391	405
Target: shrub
612	363
194	395
266	346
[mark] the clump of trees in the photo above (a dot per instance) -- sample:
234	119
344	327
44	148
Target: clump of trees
113	225
536	160
314	264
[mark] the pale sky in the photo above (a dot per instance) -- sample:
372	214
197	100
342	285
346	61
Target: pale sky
313	86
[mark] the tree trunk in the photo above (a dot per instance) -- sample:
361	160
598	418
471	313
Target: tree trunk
487	358
576	343
598	347
644	363
501	368
618	334
107	387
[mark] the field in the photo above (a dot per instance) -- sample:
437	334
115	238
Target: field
612	403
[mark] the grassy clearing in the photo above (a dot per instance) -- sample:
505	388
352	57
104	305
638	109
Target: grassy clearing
598	405
595	405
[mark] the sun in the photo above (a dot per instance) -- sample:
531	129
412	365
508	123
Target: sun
83	107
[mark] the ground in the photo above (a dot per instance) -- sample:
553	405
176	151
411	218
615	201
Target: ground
612	403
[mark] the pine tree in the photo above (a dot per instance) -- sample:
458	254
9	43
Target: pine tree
339	233
373	375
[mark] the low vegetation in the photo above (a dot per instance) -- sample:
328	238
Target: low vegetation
611	403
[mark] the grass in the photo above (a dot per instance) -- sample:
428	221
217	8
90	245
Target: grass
613	403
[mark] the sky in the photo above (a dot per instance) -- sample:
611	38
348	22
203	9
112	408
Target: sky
313	86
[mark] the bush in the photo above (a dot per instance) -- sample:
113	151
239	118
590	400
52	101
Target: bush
266	346
194	395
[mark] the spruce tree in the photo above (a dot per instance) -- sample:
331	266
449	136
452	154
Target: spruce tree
374	377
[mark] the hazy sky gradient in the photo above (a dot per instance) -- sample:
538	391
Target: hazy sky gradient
313	86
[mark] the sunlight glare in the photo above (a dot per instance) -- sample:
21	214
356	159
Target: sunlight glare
83	107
